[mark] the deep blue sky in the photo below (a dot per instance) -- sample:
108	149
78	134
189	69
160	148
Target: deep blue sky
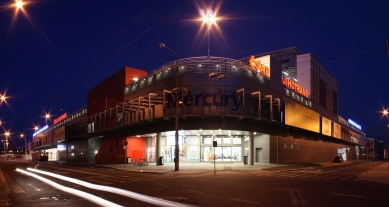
51	61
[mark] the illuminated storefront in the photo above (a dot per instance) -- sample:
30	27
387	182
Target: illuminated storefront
197	146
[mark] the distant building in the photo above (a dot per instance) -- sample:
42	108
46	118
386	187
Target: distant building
386	152
376	151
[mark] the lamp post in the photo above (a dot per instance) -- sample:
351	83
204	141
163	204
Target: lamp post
6	140
208	18
25	146
47	117
67	139
176	153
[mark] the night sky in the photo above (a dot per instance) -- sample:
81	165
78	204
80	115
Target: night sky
57	50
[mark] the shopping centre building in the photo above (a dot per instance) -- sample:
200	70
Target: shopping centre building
280	106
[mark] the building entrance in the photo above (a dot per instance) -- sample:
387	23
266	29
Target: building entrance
258	154
222	154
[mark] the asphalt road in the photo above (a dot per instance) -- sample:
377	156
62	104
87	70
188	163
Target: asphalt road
314	186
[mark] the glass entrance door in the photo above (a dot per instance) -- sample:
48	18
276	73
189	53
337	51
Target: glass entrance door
223	154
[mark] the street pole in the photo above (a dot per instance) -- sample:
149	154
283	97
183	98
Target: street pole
214	161
25	148
367	162
67	145
277	151
176	122
209	52
176	153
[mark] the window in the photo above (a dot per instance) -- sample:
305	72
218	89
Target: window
288	146
237	140
227	140
208	140
72	154
72	147
218	140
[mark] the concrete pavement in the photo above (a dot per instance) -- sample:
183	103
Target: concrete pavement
378	174
3	190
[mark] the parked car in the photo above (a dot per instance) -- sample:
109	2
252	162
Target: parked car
338	159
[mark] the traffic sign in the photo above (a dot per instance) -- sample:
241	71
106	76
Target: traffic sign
367	144
124	142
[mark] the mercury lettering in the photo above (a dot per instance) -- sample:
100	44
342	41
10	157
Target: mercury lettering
207	99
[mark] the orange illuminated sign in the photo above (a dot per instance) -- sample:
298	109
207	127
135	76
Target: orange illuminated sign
261	64
294	86
62	117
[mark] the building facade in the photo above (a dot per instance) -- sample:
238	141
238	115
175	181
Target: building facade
277	107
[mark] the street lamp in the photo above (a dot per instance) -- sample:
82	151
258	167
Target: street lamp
176	154
2	98
47	117
25	145
208	17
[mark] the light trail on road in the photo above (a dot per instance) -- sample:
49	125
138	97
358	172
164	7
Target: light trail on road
109	189
82	194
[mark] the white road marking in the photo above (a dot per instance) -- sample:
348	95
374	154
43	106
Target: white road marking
286	189
159	184
319	176
236	199
307	176
345	178
192	191
35	188
333	177
356	196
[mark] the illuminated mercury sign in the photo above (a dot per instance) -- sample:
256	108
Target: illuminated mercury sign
354	124
40	130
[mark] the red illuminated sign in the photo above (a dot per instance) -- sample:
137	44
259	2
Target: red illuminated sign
294	86
62	117
260	65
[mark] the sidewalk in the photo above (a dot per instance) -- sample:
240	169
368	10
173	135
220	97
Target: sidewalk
185	167
379	174
3	190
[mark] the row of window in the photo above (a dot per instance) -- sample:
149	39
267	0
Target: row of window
293	146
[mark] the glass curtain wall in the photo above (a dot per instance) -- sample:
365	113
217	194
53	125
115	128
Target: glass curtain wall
197	145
